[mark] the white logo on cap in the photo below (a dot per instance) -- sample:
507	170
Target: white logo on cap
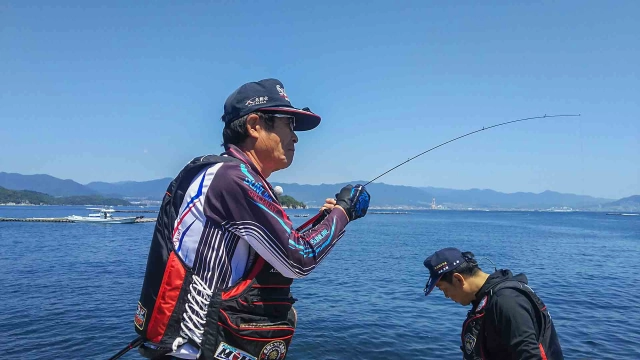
258	100
281	92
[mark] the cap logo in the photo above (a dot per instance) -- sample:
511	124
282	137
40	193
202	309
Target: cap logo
437	267
442	267
258	100
281	92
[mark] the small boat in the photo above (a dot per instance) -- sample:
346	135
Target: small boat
103	216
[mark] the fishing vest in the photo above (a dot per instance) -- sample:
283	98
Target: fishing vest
252	319
472	331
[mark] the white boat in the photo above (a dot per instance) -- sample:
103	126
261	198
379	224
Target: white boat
103	216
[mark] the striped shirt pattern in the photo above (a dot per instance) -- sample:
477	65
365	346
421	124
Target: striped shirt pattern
230	209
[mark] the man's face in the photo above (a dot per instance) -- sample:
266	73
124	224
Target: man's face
455	290
278	144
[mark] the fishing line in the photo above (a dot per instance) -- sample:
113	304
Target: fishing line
460	137
310	221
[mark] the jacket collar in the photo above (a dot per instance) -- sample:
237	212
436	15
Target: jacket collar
492	281
234	151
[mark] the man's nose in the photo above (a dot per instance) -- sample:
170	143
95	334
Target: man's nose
295	138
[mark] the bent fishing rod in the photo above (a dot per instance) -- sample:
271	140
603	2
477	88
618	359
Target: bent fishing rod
313	219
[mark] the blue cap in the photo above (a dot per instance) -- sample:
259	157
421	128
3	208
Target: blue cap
441	262
266	95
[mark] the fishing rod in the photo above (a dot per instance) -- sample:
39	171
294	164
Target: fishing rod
310	221
132	345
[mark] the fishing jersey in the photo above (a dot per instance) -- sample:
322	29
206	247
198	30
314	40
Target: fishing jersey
230	213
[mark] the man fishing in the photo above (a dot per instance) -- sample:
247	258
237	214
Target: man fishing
507	319
224	253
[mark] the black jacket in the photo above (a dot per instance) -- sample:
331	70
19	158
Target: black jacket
513	322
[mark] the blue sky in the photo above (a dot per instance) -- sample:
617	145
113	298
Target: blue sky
112	91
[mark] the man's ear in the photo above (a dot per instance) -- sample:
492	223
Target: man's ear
253	124
458	280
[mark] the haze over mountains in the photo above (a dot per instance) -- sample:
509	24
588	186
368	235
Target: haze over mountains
153	189
383	195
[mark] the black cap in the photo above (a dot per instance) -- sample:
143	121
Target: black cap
441	262
268	96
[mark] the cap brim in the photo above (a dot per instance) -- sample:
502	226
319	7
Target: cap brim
431	284
305	120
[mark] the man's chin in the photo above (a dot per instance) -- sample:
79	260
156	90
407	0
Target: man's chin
285	164
289	161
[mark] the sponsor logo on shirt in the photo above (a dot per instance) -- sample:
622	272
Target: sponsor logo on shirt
469	343
275	350
258	188
258	193
264	202
141	316
482	304
319	237
228	352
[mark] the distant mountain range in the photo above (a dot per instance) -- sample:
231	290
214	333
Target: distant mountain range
631	204
383	195
37	198
525	200
152	189
44	183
